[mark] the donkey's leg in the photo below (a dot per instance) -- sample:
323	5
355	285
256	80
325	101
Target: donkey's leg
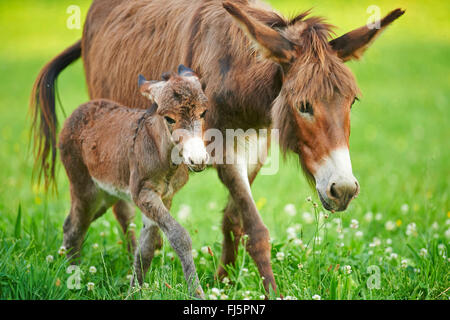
84	209
124	213
149	241
232	232
152	206
235	178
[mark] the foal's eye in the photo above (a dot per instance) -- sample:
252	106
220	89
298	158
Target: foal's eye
356	99
203	114
169	120
306	108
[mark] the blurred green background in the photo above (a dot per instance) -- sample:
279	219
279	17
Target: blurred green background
400	128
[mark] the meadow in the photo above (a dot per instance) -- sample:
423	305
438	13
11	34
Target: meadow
391	243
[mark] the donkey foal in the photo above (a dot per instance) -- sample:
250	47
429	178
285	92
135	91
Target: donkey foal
113	154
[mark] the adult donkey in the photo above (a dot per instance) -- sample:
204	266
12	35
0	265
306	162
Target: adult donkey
260	69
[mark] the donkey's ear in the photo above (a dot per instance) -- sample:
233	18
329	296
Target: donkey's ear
149	89
352	45
185	71
270	42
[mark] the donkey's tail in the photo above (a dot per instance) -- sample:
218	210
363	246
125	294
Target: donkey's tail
43	114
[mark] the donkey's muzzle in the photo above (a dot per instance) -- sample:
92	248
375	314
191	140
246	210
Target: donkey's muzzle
342	192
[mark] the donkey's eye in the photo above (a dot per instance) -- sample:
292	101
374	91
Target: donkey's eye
169	120
356	99
203	114
306	108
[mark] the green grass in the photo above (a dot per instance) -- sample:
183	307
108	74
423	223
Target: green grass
399	148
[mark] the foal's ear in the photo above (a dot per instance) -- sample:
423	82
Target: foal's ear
186	72
270	42
149	89
352	45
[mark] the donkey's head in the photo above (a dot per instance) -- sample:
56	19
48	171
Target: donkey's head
312	110
179	98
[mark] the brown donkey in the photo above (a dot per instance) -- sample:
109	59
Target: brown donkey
261	70
113	153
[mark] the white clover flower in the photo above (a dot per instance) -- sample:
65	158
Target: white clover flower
316	297
49	259
280	256
423	252
416	270
388	241
146	285
202	260
378	216
194	253
376	241
247	293
95	246
244	270
129	276
262	297
62	251
341	244
102	234
354	224
435	225
411	229
223	297
447	233
404	263
184	212
212	297
226	280
368	216
389	225
204	250
300	266
298	242
388	250
212	205
370	252
290	209
359	234
215	291
292	233
90	286
308	217
393	256
404	208
347	269
92	269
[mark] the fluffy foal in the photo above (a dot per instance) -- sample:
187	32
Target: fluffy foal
113	154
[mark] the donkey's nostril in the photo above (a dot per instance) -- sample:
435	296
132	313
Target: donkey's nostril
333	191
191	161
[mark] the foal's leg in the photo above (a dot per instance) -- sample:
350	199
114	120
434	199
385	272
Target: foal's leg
152	206
84	209
124	213
236	180
149	241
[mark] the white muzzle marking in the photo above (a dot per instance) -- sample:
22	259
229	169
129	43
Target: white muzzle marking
334	169
194	152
